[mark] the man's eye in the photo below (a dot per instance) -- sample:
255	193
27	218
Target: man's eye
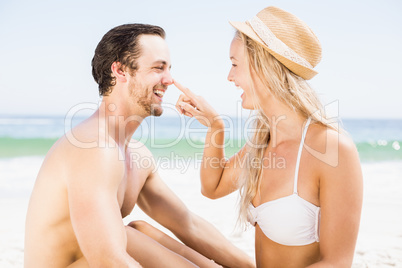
234	65
159	67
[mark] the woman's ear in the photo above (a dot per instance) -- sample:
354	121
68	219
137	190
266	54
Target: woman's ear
118	72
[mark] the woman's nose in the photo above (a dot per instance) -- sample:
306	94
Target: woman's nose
230	76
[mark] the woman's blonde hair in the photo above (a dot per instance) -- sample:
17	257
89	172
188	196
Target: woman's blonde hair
287	87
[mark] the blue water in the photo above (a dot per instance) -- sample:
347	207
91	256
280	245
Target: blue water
376	140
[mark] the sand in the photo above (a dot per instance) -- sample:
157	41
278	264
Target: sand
379	243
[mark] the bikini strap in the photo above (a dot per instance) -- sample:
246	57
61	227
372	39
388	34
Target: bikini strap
299	155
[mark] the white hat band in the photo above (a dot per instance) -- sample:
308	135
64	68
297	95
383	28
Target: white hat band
276	44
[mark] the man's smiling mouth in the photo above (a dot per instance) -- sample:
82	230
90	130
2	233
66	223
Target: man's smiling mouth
159	93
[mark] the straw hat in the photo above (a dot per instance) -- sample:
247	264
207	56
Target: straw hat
286	37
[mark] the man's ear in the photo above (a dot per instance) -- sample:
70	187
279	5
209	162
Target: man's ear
118	72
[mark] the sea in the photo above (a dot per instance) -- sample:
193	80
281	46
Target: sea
21	136
174	141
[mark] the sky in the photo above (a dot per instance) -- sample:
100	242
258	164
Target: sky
46	49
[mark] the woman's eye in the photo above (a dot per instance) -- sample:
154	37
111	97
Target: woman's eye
234	65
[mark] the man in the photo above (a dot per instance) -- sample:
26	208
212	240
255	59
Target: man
87	185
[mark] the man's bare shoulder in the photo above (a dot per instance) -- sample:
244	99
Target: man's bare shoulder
139	147
140	157
84	149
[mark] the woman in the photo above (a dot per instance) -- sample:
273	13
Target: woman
306	206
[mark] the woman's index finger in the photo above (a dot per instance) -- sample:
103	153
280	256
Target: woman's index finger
183	89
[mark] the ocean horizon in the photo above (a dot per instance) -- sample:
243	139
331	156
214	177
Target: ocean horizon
30	135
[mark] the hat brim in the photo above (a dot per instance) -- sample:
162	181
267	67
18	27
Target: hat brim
300	70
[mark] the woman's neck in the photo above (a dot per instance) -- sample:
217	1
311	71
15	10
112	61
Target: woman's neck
285	123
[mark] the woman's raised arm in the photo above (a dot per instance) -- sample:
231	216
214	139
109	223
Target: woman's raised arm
218	174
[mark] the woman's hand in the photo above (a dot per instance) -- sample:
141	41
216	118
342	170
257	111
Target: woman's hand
195	106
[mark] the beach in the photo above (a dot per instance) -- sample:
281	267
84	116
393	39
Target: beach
177	146
379	243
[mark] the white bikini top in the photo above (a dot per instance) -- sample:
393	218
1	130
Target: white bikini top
290	220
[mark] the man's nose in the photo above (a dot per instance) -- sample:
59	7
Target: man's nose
167	78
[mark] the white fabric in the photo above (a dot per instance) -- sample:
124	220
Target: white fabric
290	220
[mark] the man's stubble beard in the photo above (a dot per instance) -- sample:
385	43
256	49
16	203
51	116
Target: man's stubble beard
145	100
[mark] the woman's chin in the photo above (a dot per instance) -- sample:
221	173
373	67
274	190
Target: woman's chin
246	106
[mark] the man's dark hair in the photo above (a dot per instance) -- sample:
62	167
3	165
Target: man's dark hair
120	44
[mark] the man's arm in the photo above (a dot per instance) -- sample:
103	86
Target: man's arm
92	187
161	204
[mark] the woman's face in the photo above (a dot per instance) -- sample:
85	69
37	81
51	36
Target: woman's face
240	75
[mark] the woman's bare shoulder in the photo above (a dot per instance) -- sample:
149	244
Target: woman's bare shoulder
330	146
